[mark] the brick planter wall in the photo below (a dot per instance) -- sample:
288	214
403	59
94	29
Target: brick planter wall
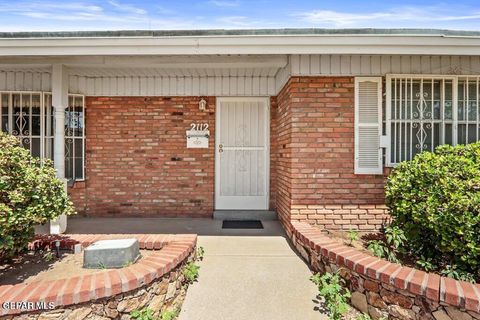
384	289
154	281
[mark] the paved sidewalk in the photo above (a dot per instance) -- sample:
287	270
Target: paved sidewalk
250	277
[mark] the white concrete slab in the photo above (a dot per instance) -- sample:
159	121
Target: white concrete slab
111	253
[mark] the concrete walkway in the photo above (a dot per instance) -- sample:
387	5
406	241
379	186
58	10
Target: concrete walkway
250	277
245	274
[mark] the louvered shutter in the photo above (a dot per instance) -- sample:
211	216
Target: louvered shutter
368	125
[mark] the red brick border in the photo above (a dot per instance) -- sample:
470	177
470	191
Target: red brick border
171	250
444	290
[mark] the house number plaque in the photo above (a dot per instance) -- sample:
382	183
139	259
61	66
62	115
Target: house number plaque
198	135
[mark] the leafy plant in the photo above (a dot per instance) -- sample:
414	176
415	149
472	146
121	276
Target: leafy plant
395	237
30	194
434	200
426	264
455	273
145	314
49	256
190	272
200	253
352	236
169	314
379	249
331	287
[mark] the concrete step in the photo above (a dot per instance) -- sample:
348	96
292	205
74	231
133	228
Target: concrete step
244	215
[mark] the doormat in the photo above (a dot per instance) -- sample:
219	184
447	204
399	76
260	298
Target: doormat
242	224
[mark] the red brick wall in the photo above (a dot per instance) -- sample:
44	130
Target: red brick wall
283	132
137	162
316	157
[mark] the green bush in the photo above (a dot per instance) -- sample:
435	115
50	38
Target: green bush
435	200
30	194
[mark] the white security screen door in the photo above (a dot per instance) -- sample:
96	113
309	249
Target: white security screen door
242	154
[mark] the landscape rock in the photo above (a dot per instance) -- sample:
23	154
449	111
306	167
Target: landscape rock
79	314
371	286
441	315
128	305
395	298
359	301
170	291
377	314
456	314
376	300
401	313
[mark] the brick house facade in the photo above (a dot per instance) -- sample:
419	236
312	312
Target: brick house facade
147	171
311	129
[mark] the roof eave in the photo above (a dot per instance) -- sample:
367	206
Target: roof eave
244	44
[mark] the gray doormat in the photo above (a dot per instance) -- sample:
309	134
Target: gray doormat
242	224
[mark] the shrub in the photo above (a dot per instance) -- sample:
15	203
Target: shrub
30	194
435	200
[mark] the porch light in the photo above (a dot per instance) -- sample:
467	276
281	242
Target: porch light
202	105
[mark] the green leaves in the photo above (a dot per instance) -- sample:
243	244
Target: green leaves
145	314
190	272
352	236
331	287
30	194
434	201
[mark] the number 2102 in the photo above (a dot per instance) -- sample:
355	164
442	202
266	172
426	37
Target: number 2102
199	126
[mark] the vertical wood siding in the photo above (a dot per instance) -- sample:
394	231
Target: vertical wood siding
25	81
173	86
363	65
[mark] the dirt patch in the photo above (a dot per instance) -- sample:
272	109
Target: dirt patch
360	243
44	265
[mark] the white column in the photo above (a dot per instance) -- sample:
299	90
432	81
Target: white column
60	103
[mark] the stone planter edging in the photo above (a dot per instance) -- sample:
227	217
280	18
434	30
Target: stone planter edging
317	248
169	252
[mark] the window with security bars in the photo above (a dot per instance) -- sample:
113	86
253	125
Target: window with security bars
29	116
75	138
423	112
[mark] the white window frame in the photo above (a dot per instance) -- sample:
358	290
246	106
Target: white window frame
47	123
455	122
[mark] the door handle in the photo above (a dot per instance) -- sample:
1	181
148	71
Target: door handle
220	148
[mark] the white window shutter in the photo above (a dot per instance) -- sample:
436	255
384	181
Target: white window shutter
368	125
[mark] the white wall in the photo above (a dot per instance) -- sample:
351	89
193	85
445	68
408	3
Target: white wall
173	86
234	82
25	80
363	65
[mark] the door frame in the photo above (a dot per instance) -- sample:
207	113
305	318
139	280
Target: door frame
219	101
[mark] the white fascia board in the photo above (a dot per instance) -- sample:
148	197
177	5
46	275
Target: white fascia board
269	44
